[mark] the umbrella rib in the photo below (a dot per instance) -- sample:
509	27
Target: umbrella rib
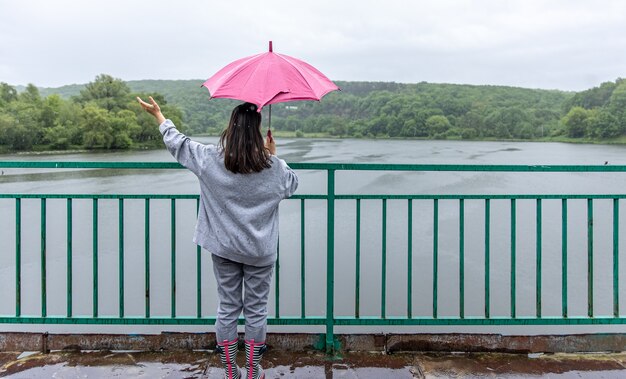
235	70
256	68
297	69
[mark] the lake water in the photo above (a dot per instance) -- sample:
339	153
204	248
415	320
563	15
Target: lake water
313	182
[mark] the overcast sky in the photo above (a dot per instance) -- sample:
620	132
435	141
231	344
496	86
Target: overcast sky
560	44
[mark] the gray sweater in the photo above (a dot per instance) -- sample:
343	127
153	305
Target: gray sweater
238	214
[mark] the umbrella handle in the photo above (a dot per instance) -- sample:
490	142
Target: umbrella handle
269	127
269	124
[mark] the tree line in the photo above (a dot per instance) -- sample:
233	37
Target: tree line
597	113
103	114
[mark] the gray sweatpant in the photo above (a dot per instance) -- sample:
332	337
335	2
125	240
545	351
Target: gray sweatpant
230	277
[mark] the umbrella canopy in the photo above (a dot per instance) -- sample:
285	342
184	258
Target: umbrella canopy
269	78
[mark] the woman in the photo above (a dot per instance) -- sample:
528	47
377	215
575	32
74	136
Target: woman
241	184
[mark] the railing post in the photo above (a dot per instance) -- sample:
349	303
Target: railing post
173	257
513	258
44	298
357	274
302	263
564	258
147	255
69	257
538	260
95	256
435	256
198	272
330	263
487	259
615	257
589	257
121	256
383	274
277	280
461	258
18	257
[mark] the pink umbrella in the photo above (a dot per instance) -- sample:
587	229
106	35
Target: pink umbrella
269	78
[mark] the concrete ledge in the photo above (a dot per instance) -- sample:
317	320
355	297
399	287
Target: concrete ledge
573	343
300	342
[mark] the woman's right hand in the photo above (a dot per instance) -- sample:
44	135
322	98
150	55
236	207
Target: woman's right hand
270	144
152	108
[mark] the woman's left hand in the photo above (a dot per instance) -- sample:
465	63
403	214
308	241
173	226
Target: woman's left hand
270	144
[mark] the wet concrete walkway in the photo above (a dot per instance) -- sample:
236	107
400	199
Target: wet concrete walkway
280	364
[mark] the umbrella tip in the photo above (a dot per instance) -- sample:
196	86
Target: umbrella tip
271	47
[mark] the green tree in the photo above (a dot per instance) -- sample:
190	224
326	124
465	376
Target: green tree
96	124
409	129
107	92
7	93
50	110
13	134
576	122
27	114
617	102
604	124
30	95
437	125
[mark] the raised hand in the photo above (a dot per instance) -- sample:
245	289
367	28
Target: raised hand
152	108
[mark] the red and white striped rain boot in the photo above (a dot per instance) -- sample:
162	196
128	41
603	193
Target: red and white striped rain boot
254	351
228	354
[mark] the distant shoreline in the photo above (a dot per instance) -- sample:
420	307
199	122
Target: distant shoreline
292	135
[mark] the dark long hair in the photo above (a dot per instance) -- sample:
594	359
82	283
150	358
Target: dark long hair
242	142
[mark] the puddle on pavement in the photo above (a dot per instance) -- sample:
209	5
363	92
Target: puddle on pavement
312	364
144	370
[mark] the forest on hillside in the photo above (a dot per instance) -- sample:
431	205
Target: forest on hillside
104	115
101	115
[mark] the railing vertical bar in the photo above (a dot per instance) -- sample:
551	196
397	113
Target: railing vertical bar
487	258
69	257
538	263
383	296
302	262
198	272
121	255
173	257
461	258
95	255
564	258
513	258
44	300
277	286
590	257
435	254
615	257
18	257
409	260
357	287
147	256
330	259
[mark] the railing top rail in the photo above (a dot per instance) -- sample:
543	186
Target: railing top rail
328	166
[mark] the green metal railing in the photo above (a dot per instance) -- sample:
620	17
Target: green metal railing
330	320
